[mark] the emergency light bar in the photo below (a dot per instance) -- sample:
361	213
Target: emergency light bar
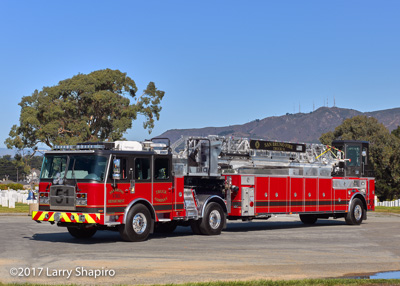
78	147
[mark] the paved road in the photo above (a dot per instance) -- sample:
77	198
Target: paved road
280	248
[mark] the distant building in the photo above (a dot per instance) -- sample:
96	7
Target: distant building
33	176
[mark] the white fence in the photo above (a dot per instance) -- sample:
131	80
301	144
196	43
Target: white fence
8	198
391	204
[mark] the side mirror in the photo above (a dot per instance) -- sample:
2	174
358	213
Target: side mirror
132	186
117	169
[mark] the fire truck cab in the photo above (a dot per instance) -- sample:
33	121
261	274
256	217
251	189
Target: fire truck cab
137	188
357	155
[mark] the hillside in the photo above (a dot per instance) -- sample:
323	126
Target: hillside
299	127
5	151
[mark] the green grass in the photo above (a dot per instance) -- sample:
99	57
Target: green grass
316	282
394	210
19	208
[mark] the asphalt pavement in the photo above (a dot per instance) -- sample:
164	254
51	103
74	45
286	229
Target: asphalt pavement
279	248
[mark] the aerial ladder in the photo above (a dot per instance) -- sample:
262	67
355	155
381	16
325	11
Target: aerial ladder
214	155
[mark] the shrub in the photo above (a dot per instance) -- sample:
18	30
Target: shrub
15	186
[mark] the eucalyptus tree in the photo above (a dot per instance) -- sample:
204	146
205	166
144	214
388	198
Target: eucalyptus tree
99	106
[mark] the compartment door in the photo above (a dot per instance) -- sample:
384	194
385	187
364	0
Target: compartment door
247	201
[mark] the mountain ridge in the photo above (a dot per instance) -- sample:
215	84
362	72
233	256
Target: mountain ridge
298	127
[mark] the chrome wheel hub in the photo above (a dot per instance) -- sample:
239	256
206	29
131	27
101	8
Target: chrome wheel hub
357	212
139	223
215	219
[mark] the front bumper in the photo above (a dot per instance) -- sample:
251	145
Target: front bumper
55	216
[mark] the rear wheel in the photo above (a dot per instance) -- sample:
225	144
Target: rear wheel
308	219
138	224
356	214
213	220
82	232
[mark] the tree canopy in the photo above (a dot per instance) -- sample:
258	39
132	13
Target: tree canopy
396	132
384	151
87	107
9	167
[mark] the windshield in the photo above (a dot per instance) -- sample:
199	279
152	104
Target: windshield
86	167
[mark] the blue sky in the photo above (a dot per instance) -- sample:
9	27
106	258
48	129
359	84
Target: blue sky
219	62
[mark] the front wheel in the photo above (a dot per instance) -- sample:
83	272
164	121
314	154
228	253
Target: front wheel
356	214
82	232
138	224
213	220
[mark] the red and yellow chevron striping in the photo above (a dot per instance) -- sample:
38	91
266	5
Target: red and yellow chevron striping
66	217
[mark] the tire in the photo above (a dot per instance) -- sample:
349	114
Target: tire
213	220
167	227
138	224
308	219
195	226
356	214
82	233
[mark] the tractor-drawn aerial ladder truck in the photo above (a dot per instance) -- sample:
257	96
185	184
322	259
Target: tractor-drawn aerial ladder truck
137	188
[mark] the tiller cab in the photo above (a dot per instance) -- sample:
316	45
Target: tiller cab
137	188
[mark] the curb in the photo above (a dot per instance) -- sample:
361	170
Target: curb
385	213
14	214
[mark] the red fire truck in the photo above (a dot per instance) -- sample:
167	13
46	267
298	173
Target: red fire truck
137	188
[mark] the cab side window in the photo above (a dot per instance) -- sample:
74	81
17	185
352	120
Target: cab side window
353	153
161	169
142	169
